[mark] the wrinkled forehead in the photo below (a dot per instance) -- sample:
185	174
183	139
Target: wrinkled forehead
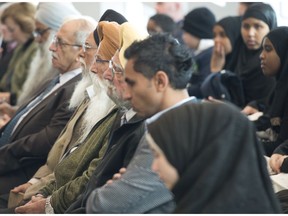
90	40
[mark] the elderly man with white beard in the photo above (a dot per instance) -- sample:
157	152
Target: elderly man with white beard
127	131
49	17
77	126
83	119
48	113
80	159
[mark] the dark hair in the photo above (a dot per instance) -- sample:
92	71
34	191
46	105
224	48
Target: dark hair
262	12
162	52
248	4
165	22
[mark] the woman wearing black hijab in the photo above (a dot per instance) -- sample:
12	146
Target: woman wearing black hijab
227	39
274	63
257	21
216	164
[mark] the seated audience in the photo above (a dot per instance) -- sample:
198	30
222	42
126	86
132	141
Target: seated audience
76	166
155	83
75	130
41	68
126	134
26	139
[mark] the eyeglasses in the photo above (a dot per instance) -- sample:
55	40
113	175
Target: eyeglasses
86	47
116	71
101	61
58	42
40	33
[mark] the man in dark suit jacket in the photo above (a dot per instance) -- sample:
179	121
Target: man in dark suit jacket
38	129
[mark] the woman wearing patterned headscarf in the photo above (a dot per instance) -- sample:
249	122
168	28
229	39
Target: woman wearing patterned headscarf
209	157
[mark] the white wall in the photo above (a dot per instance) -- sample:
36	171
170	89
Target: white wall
139	12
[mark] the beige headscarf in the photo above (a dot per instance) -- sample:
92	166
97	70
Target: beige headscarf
128	34
108	33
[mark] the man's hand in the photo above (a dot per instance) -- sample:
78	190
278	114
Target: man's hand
35	206
116	176
5	97
276	161
21	188
3	120
6	108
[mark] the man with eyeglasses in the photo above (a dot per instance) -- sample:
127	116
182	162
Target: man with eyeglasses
49	17
152	88
78	126
80	158
128	127
26	147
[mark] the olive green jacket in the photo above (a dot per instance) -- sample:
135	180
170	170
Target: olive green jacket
73	172
18	68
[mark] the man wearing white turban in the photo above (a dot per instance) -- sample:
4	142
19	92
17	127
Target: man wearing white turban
49	17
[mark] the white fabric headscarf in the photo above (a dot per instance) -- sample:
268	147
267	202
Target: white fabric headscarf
53	14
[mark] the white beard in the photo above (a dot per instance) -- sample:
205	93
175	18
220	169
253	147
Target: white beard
79	93
112	93
99	106
41	69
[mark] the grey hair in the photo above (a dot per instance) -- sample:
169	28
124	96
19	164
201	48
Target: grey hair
86	25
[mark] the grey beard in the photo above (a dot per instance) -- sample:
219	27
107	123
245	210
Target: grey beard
40	71
112	93
79	93
99	106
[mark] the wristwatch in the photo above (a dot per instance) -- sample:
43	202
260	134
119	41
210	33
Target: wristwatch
48	207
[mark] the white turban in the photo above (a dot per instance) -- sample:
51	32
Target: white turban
53	14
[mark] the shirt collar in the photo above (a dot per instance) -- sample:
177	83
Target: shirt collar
65	77
157	115
90	91
129	114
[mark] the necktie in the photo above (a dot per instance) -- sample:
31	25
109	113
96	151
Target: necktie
6	134
123	119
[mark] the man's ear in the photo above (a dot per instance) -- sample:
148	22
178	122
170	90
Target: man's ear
161	81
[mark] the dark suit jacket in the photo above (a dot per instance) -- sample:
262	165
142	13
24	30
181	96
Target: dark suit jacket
122	145
34	136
